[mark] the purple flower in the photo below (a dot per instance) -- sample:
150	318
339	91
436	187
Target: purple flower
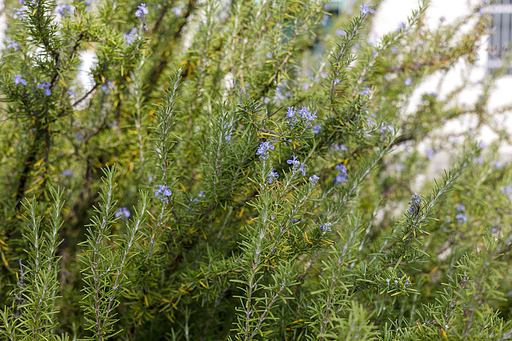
64	9
430	153
129	38
20	14
162	192
123	211
314	179
507	190
339	32
19	79
497	164
22	2
442	18
305	87
176	10
323	74
342	176
292	160
461	208
72	93
480	159
141	10
408	81
13	45
481	145
302	169
317	128
67	173
461	218
272	176
263	149
46	87
400	167
290	112
325	19
367	91
340	147
107	85
365	9
326	227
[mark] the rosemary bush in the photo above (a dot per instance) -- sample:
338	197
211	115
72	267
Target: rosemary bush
242	170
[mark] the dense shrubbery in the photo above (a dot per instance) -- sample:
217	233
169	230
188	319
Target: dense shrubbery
223	178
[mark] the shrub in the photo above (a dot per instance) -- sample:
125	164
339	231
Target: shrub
229	174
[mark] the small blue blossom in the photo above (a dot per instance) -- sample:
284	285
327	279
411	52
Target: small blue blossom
64	9
367	91
292	160
176	10
497	164
20	14
408	81
325	19
306	86
130	37
263	149
400	167
22	2
415	203
494	230
342	176
507	190
19	79
480	159
461	218
430	153
142	10
407	282
290	113
272	176
123	211
323	74
481	145
72	93
13	45
67	173
302	169
326	227
314	179
162	192
317	128
46	86
461	208
107	85
340	147
385	128
365	9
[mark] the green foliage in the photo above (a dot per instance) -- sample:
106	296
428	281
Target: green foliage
254	150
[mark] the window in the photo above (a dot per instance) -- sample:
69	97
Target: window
500	40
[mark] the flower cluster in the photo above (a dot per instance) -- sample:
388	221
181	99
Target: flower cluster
342	175
263	149
273	174
314	179
19	79
297	165
123	212
415	203
20	14
141	11
303	114
46	86
326	227
461	218
13	45
163	192
365	9
130	37
107	85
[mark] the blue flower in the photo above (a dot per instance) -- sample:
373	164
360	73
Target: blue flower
342	176
365	9
176	10
317	128
141	10
415	202
497	164
123	211
367	91
67	173
292	160
326	227
408	81
400	167
14	45
480	159
46	86
461	218
20	14
19	79
263	149
314	179
64	9
461	208
72	93
430	153
340	147
272	176
130	37
481	145
107	85
163	192
302	169
290	112
507	190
